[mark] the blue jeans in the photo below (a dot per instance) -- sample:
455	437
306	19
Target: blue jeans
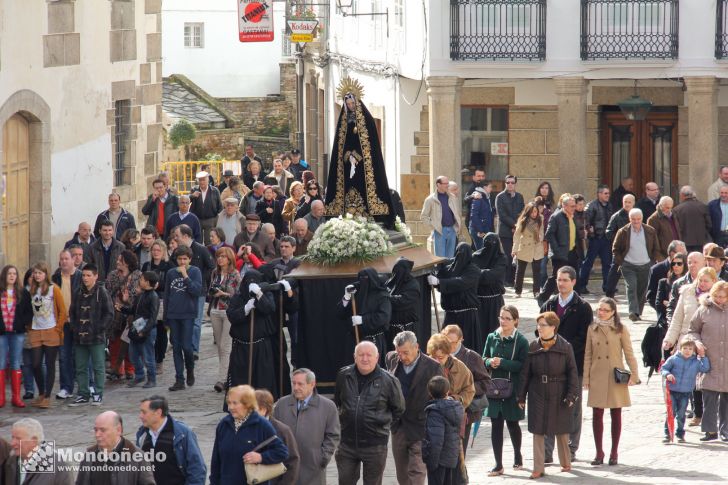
598	246
680	402
142	355
11	345
181	335
544	272
445	243
477	240
66	364
28	378
198	325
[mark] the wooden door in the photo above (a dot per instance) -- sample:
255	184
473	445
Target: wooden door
16	199
644	150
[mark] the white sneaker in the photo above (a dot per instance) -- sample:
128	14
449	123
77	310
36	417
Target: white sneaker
63	394
91	390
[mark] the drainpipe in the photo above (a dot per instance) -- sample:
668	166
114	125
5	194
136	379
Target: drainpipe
299	101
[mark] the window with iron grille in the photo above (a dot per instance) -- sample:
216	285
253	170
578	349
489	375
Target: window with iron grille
194	34
628	29
721	30
498	29
122	145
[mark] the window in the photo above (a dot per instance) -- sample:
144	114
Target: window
122	154
484	138
399	13
378	27
195	35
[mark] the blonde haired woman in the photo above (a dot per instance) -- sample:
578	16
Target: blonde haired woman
687	304
290	208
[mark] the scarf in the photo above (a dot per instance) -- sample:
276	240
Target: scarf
238	422
533	227
547	343
606	323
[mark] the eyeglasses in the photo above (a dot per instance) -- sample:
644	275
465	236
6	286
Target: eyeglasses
542	325
677	263
600	309
510	183
507	319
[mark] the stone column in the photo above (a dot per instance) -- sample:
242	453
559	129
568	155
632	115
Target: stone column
445	148
702	103
571	93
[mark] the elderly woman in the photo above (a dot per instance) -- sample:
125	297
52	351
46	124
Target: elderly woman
709	329
238	434
505	353
253	174
462	388
551	381
292	205
235	189
607	340
265	409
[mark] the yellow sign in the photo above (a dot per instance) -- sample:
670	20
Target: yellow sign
301	37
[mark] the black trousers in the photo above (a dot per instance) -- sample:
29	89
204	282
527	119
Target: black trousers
507	243
550	287
521	272
615	272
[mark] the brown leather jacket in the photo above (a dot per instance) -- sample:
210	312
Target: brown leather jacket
621	243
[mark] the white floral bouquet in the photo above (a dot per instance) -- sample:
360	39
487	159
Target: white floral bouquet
348	239
402	228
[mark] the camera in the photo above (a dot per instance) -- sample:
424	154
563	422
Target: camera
214	288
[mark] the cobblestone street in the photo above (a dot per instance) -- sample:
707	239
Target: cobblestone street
643	458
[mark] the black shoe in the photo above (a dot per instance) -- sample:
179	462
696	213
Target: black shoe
690	415
548	459
666	440
613	461
709	437
135	382
573	456
584	291
178	386
634	317
191	377
597	461
219	386
681	439
80	401
28	395
196	356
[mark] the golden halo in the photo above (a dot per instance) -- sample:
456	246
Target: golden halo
349	85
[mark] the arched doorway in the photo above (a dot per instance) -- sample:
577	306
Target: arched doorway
16	191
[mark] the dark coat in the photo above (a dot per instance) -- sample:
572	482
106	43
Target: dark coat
125	221
405	296
150	209
145	305
620	247
597	217
293	462
458	287
226	464
95	254
508	209
661	224
441	444
412	422
716	219
647	206
618	220
23	314
573	325
557	235
262	241
275	218
481	377
76	281
658	271
74	241
696	224
367	418
210	208
102	314
131	472
190	220
618	195
397	204
550	379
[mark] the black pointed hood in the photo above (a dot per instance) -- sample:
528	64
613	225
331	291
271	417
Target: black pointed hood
401	273
492	250
463	257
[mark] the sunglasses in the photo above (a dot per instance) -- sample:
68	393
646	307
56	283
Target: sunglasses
677	263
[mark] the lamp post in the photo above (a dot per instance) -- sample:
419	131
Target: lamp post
635	108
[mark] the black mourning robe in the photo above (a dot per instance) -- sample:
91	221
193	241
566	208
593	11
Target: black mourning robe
405	295
367	192
459	295
492	263
374	307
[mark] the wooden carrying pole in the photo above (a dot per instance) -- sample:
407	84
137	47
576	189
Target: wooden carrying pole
437	313
250	356
353	313
280	343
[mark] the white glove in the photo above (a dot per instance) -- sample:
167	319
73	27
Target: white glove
255	288
350	290
249	306
432	280
353	162
356	320
286	285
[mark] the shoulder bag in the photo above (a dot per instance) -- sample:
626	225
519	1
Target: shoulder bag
259	473
621	376
498	387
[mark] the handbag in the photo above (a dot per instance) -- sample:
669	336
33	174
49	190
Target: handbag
498	387
259	473
478	404
136	327
621	376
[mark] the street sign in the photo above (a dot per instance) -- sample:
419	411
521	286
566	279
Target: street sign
255	20
499	148
302	30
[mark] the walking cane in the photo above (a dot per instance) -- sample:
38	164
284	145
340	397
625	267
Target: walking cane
437	313
280	342
353	313
250	357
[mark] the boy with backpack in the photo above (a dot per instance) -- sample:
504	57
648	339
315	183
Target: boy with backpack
441	446
143	330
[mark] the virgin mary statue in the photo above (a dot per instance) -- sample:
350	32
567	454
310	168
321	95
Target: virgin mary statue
357	182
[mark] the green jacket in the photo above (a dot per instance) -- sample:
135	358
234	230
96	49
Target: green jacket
496	346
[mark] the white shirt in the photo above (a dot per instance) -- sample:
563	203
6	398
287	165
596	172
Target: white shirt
155	434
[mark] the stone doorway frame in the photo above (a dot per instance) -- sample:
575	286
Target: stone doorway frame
36	111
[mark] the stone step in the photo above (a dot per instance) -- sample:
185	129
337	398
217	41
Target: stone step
422	139
424	120
422	151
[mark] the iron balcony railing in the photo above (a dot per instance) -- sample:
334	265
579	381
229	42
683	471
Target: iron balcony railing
629	29
721	30
498	30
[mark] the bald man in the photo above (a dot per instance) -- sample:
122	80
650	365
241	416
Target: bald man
361	390
648	203
82	237
108	431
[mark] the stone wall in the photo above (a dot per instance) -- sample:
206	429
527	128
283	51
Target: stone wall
533	146
230	144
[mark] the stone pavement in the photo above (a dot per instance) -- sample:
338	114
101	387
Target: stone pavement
643	458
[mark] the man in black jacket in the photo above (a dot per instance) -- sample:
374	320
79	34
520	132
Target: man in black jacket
120	218
508	204
414	370
648	203
563	239
90	318
618	220
105	251
370	400
206	204
575	316
660	270
598	213
68	278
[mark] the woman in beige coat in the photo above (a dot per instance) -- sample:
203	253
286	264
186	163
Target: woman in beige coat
686	306
529	246
607	340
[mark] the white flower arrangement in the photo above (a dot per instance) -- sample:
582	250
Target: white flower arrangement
401	227
348	239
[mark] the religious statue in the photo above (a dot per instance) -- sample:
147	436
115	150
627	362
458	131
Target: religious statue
357	182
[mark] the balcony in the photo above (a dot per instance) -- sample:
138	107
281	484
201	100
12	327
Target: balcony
498	30
721	30
628	29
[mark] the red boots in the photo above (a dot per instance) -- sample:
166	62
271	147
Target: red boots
16	382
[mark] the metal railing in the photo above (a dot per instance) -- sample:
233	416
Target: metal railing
721	29
182	174
498	30
628	29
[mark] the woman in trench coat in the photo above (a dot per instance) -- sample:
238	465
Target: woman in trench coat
551	381
607	341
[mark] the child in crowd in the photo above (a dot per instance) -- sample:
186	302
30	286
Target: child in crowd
441	446
680	371
143	330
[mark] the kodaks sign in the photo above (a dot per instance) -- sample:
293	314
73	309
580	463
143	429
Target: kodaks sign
255	20
302	30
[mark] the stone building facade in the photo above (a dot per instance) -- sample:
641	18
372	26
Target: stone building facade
80	112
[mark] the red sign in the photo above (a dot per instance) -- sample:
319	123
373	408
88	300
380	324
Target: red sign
255	20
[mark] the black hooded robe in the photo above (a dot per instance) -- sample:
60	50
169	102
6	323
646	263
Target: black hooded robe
492	263
375	309
405	295
367	192
265	338
459	296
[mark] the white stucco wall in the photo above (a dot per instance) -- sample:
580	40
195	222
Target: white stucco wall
224	67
